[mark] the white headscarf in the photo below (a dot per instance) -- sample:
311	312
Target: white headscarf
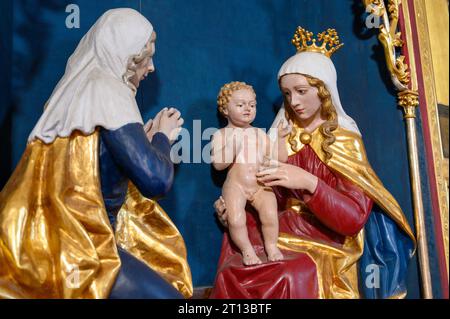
92	92
320	67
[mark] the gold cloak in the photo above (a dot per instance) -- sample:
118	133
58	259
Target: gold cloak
55	237
337	264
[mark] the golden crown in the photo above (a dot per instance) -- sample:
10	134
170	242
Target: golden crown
303	41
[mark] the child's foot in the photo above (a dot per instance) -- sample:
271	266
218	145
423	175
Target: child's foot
249	258
274	254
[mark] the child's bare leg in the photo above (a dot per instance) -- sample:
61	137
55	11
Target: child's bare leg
265	203
235	202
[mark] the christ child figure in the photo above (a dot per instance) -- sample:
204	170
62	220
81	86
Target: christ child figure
242	149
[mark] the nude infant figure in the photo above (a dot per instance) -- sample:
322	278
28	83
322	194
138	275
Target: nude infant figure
242	148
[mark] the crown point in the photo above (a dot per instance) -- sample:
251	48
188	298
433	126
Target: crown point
304	41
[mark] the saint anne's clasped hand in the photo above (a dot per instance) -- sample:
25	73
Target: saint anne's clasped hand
168	121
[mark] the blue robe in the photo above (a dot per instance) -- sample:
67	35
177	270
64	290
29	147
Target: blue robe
126	154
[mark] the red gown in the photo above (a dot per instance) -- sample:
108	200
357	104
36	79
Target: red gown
337	209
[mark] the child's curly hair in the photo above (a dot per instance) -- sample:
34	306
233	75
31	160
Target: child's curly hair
227	90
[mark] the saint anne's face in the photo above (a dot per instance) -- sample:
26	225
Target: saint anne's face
301	97
241	109
146	66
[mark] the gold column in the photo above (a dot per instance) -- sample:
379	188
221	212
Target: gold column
408	100
433	35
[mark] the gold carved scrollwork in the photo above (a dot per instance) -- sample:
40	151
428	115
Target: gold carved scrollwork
391	39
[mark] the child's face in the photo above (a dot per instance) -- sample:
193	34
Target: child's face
241	109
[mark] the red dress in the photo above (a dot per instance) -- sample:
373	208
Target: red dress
337	209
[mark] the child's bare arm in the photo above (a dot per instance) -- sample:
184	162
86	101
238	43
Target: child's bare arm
282	150
283	130
278	149
222	150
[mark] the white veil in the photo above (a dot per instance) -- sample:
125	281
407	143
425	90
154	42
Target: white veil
92	92
321	67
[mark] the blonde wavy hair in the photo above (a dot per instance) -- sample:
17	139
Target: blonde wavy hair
227	90
328	112
132	65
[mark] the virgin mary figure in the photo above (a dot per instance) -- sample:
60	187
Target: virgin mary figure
78	217
342	233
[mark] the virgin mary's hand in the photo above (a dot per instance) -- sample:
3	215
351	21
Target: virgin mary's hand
274	173
221	211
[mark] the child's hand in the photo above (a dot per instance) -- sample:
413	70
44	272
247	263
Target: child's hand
284	128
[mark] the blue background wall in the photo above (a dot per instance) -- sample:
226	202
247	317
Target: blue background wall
201	45
6	9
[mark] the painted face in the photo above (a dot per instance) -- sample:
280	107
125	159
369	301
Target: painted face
241	109
301	97
146	66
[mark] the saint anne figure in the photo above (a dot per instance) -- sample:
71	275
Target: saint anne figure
74	222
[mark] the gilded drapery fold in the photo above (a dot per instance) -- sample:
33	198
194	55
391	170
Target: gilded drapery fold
55	237
337	265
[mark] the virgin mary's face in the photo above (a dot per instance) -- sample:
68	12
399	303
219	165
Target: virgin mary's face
301	97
